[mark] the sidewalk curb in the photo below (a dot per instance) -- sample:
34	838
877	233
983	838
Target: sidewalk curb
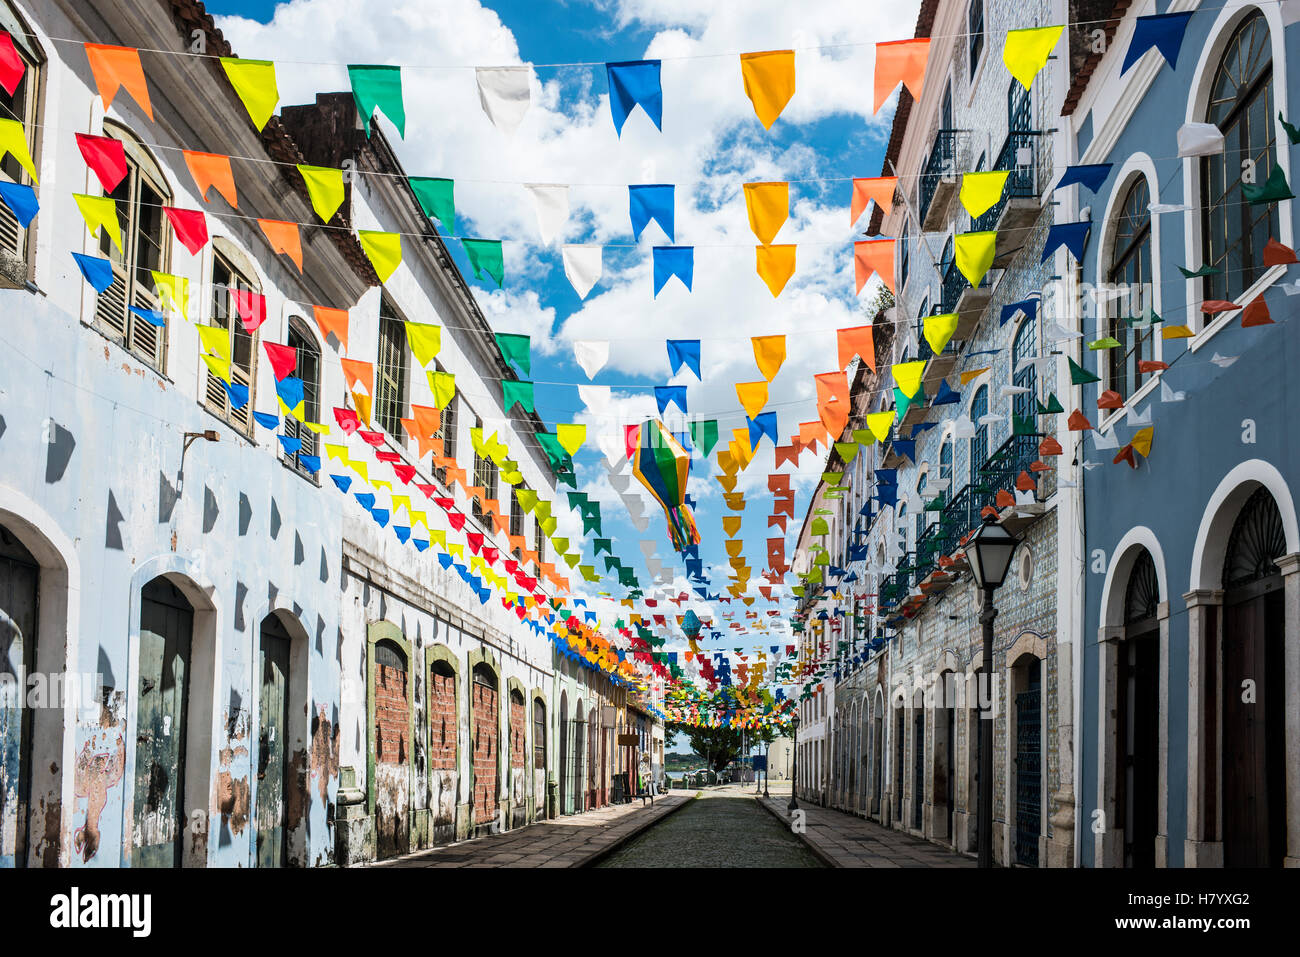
605	852
816	851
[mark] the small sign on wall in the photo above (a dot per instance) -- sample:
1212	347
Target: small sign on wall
629	740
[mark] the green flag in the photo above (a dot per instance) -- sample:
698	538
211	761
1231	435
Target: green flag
379	86
516	348
1079	375
517	392
705	434
1274	189
436	198
485	256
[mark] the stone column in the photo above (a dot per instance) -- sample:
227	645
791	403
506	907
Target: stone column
1108	847
1204	626
1290	566
1162	774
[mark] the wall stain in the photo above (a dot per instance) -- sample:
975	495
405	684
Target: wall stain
324	751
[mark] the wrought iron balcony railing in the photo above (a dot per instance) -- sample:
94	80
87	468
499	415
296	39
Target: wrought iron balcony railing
1014	456
1023	181
942	163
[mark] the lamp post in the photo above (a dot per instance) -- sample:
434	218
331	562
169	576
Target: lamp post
989	554
794	779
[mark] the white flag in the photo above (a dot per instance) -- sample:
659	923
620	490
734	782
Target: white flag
552	204
1139	418
1169	395
596	398
1223	361
592	354
1199	139
963	428
1106	441
615	451
1056	332
505	94
1159	209
583	266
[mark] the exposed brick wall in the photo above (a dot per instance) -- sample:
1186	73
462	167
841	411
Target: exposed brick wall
484	711
442	722
518	735
392	716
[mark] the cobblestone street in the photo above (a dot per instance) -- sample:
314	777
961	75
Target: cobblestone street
724	827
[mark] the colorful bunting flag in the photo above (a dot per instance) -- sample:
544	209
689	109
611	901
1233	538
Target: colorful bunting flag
900	61
254	83
116	68
384	250
1025	52
635	83
325	189
212	170
769	82
776	265
768	205
378	88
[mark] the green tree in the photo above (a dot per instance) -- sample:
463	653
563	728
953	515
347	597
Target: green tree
717	746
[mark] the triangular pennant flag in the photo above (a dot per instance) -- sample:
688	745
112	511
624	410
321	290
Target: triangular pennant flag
874	257
651	203
900	61
769	354
1090	176
283	358
105	155
1073	236
704	433
684	352
284	238
591	355
669	261
325	188
425	340
571	437
880	188
974	254
879	423
980	192
384	250
1079	375
769	82
173	292
254	82
100	212
551	202
634	83
378	87
520	393
437	199
582	267
505	94
485	256
1163	31
331	320
116	68
1274	189
12	66
98	272
859	341
1025	52
516	348
753	396
768	206
212	170
190	227
776	265
938	331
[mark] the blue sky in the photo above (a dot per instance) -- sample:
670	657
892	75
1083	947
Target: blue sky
710	145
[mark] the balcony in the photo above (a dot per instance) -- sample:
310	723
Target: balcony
966	301
1018	208
939	181
1000	472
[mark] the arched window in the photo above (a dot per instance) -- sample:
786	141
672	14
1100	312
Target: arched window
21	105
141	249
1242	106
902	526
975	31
1025	346
308	370
979	446
1130	267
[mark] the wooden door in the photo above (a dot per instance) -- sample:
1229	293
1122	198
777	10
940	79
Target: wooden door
19	576
918	767
272	781
1138	710
166	630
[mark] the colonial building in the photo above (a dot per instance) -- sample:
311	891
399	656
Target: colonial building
280	677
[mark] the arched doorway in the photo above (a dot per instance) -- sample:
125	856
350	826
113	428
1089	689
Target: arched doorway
518	759
918	760
166	634
579	746
899	751
19	586
273	782
563	763
444	748
878	756
391	751
592	763
1254	720
1027	755
485	712
945	761
1137	715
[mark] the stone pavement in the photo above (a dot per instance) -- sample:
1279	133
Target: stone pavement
845	840
575	840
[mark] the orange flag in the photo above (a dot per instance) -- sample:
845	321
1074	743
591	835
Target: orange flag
859	340
212	169
332	320
881	189
874	256
833	401
115	68
283	238
769	354
775	266
356	371
810	433
900	61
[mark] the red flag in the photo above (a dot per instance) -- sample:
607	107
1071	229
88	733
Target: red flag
190	227
283	358
251	307
11	64
106	157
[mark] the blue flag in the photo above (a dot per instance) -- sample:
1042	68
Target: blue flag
1028	306
238	394
633	83
21	198
290	443
945	395
367	500
344	482
646	203
666	395
684	352
310	462
1090	177
1073	236
765	424
1163	31
672	261
98	272
266	420
151	316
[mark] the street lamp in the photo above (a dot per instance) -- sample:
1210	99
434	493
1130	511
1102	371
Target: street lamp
794	780
989	554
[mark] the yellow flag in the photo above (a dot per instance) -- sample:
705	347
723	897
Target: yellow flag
769	82
775	266
971	374
384	250
981	191
174	291
1025	52
339	452
362	402
731	524
220	367
100	212
1142	441
254	81
443	385
939	329
769	353
753	396
879	424
216	341
975	254
1176	332
908	376
425	340
13	140
570	437
319	428
325	187
769	206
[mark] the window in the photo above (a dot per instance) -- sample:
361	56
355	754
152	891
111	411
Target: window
485	477
1241	105
226	280
905	260
1024	405
446	432
903	526
945	471
979	446
539	734
517	511
975	23
140	198
1130	269
540	538
308	370
390	382
21	106
920	512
